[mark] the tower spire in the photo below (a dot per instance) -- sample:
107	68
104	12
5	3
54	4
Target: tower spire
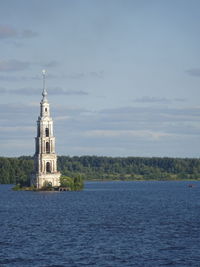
44	92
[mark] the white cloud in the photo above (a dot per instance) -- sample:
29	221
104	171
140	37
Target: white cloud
10	129
160	131
148	99
13	65
128	133
159	100
62	118
37	91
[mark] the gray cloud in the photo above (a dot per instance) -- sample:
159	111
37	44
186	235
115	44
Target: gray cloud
50	64
73	76
179	99
121	131
193	72
13	65
97	74
81	75
12	78
133	131
16	78
9	32
148	99
151	115
28	34
61	91
162	100
26	114
21	91
33	91
17	65
3	90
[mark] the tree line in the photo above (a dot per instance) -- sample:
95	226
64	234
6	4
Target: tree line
18	170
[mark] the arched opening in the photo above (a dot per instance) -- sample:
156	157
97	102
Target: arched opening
38	131
47	147
48	167
47	132
36	146
45	109
47	184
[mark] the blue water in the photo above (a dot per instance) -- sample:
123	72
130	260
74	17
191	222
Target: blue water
107	224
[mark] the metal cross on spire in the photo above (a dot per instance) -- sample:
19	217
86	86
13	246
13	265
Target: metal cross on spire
44	93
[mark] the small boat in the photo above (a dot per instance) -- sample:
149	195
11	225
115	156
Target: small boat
191	185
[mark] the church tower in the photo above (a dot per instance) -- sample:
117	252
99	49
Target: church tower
45	157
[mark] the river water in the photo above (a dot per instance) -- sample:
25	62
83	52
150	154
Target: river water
106	224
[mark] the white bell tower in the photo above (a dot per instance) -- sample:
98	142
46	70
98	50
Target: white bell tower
45	157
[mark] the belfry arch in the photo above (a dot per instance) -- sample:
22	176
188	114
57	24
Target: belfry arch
47	132
47	147
48	167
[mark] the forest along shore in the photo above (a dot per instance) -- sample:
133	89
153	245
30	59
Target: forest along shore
15	170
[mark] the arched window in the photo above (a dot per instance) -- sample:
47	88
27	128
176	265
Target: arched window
48	167
47	132
45	109
37	146
38	131
47	147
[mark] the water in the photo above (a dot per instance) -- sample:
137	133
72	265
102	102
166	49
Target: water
107	224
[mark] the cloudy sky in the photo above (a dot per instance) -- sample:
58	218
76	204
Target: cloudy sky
123	76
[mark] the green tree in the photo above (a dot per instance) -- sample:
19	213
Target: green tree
67	182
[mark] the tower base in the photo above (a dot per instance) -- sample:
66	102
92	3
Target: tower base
39	180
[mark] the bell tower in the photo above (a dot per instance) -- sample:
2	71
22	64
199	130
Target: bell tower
45	158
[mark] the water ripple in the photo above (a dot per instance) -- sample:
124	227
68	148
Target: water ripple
108	224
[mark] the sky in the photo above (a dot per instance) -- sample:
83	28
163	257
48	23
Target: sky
123	76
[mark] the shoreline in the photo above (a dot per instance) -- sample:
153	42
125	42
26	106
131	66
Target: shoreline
142	180
99	180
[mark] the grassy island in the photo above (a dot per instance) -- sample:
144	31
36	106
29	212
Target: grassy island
66	184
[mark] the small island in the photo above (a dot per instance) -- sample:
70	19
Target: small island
66	184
